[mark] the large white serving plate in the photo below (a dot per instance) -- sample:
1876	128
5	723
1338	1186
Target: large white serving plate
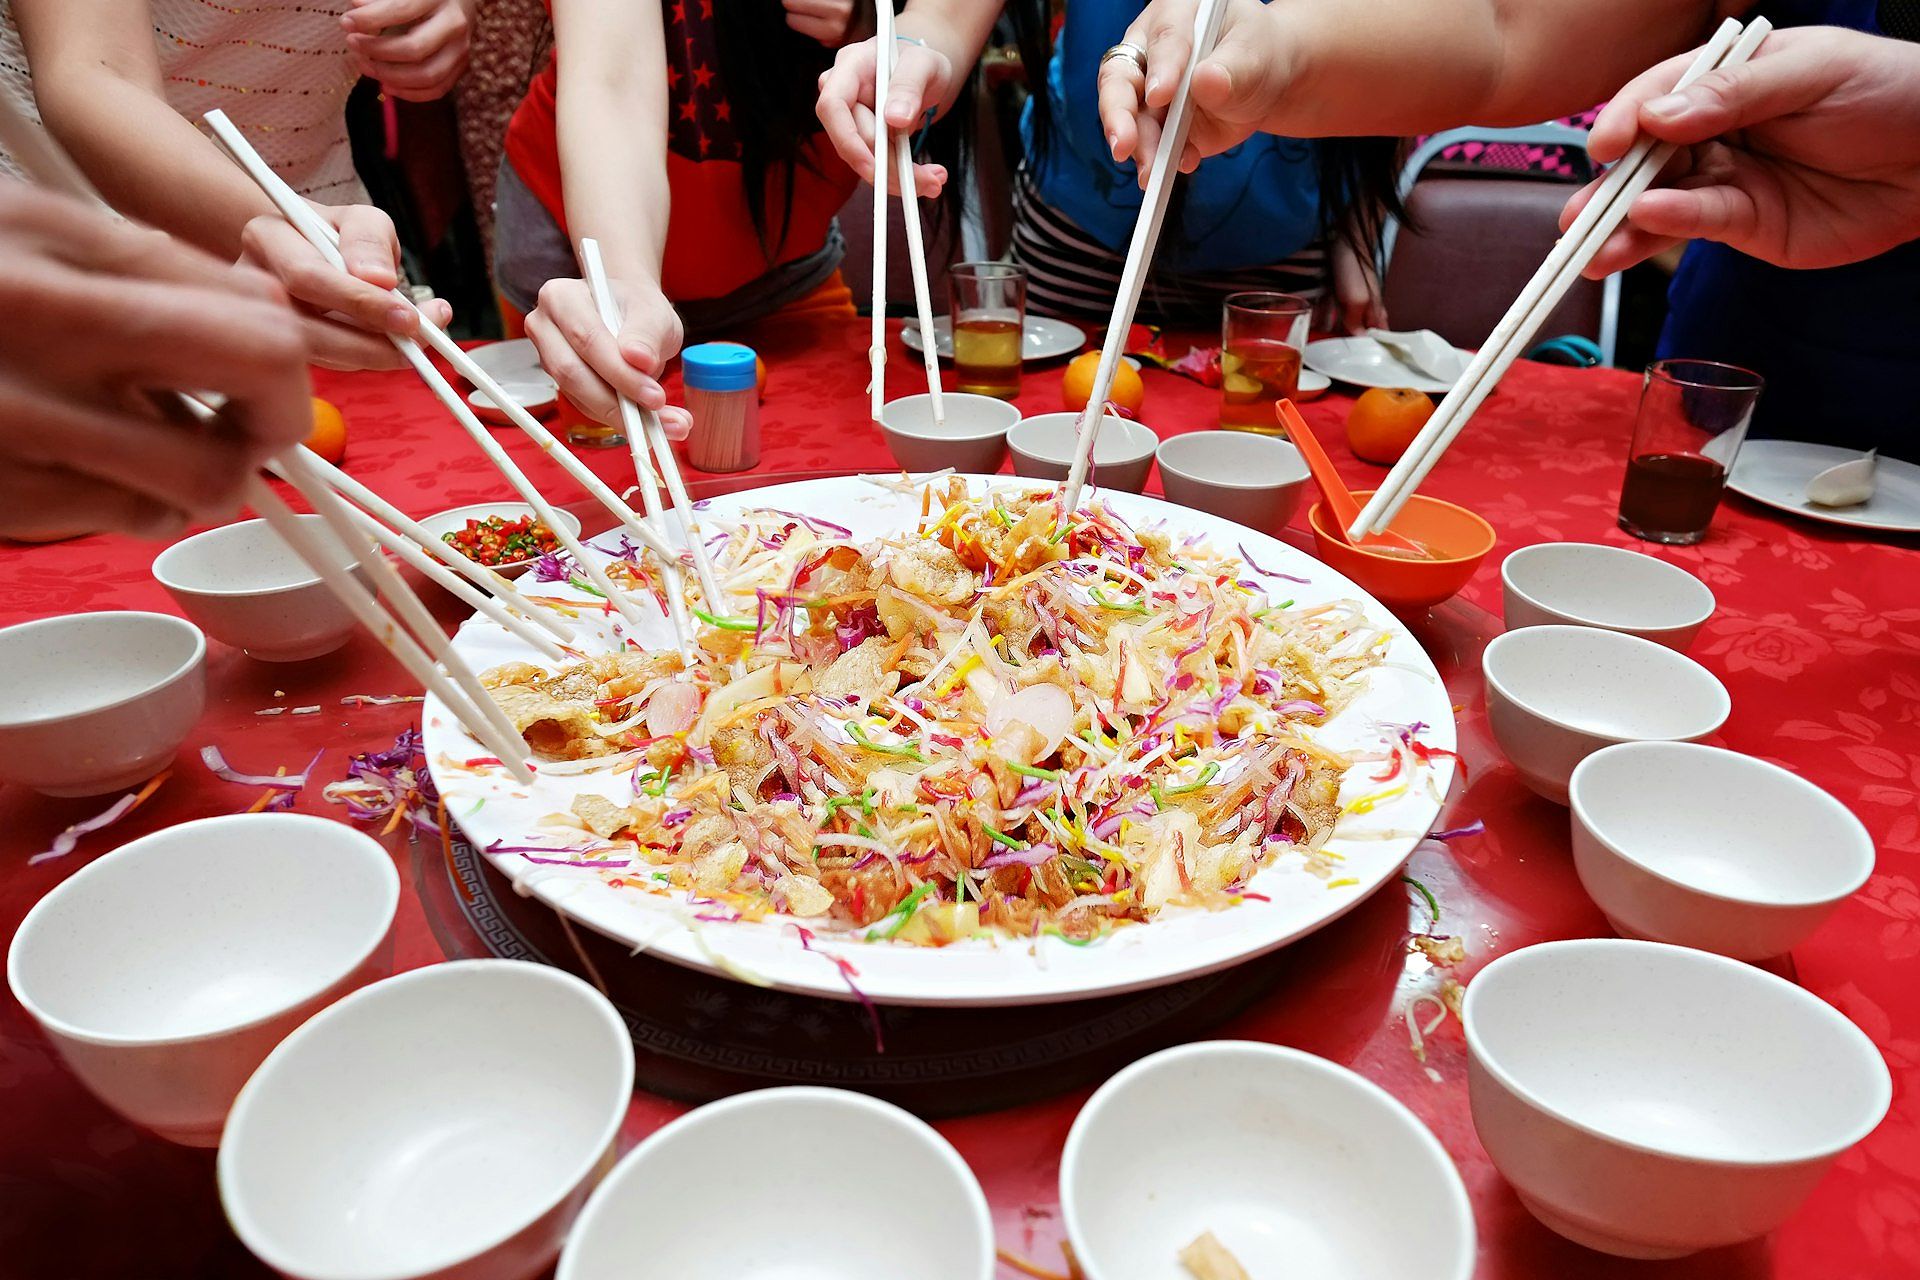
1180	943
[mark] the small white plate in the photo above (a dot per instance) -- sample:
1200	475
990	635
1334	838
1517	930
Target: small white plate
516	360
1775	473
1312	383
1365	363
1043	338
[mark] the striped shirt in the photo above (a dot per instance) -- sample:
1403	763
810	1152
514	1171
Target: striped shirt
280	68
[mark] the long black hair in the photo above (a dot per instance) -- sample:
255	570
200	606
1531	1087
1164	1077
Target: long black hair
771	74
1358	177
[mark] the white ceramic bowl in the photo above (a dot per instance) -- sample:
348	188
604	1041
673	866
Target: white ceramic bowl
1249	479
539	398
1588	585
1043	448
972	440
1556	695
1712	849
1296	1164
903	1203
246	587
166	970
444	522
1650	1101
98	701
448	1122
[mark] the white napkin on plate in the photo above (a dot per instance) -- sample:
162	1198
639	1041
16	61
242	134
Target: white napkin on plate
1425	351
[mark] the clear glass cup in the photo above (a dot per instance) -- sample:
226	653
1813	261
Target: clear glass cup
1693	417
989	320
1262	339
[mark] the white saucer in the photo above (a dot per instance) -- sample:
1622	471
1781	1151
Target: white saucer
1365	363
1775	473
1044	338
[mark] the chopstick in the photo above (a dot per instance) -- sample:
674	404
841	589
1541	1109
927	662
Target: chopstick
1146	233
399	521
910	214
877	351
1730	46
296	211
463	362
639	440
458	689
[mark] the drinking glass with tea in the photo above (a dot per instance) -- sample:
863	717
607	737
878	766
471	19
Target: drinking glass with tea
1693	417
989	304
1261	340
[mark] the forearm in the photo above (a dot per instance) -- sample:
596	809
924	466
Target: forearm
1489	62
616	194
956	28
146	159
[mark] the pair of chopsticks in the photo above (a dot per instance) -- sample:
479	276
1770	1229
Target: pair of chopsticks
1146	233
1730	46
902	154
419	645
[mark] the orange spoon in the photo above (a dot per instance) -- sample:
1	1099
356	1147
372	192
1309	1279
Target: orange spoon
1333	489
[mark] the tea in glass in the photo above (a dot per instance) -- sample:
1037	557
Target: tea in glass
989	321
1262	337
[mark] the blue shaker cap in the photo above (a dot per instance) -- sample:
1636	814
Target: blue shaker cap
718	366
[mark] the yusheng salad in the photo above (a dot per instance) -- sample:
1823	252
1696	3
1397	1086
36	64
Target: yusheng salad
983	723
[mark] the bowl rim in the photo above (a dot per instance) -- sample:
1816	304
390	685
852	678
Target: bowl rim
1460	1204
1843	1025
1700	750
1492	535
500	508
172	583
990	433
777	1096
1246	486
1146	438
1618	555
166	838
232	1197
1515	637
193	661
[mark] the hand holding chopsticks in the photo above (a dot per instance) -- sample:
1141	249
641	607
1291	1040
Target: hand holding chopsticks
900	167
1730	46
1146	234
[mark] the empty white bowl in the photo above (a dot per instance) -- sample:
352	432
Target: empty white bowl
246	587
1588	585
98	701
972	440
1043	448
1250	479
448	1122
1650	1101
1683	843
1556	695
734	1189
1297	1165
451	521
164	971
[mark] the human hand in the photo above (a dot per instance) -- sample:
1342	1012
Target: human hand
120	313
1807	156
1235	87
346	315
920	82
829	22
591	364
416	49
1356	302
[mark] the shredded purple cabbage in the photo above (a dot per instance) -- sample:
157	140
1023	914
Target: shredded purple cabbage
1267	573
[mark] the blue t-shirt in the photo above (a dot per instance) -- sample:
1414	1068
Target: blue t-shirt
1836	346
1253	205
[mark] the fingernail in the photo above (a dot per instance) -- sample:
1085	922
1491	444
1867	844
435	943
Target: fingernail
1153	83
1113	142
1670	106
400	316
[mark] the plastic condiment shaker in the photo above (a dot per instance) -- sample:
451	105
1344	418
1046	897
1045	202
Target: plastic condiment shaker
723	395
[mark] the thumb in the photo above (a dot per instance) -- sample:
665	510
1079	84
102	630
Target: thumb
649	335
1737	97
918	82
1240	79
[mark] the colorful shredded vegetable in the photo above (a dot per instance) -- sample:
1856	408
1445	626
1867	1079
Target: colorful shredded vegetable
994	723
498	540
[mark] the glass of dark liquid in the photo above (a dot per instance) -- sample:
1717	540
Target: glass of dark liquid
989	324
1693	416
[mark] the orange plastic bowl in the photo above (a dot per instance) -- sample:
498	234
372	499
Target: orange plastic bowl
1458	538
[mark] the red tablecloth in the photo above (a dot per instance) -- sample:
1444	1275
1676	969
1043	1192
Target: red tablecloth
1817	636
